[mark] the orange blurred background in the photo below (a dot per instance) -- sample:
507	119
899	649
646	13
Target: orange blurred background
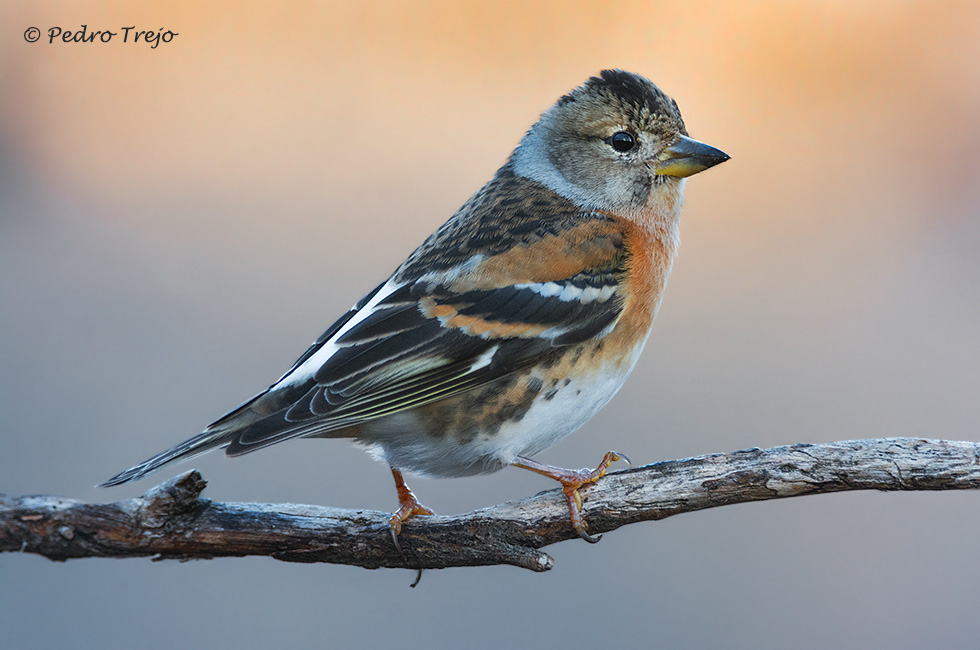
177	223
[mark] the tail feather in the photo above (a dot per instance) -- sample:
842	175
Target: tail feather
199	444
267	410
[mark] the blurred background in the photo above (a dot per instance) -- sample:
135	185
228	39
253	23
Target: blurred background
178	223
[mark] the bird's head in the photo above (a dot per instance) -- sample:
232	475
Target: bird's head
616	142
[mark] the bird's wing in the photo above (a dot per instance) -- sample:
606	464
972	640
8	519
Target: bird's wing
431	332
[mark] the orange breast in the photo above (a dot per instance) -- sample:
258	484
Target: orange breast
651	254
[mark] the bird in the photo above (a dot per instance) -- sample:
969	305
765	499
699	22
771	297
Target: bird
514	322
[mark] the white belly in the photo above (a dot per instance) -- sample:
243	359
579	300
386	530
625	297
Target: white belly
401	440
548	421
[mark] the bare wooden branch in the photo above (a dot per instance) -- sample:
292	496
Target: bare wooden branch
172	521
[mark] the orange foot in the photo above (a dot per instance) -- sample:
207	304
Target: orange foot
410	507
571	480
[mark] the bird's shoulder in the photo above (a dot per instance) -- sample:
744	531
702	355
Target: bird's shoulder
515	229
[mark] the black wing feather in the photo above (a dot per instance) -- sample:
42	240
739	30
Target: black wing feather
400	356
397	357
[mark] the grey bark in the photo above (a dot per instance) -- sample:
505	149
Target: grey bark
173	521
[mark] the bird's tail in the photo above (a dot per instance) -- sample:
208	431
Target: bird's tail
199	444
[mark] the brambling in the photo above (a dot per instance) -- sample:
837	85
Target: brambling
515	322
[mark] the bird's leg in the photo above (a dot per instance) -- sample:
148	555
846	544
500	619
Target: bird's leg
409	507
571	480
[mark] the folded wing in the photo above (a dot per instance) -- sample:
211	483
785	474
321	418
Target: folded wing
418	340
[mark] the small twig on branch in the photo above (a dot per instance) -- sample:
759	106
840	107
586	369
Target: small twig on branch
172	521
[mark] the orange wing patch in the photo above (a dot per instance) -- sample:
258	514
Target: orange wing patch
450	317
590	245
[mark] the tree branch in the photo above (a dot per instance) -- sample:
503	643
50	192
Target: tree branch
172	521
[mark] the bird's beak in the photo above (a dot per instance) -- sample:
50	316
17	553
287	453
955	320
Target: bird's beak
687	157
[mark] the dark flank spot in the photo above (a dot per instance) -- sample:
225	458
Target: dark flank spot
484	412
534	386
516	410
498	388
550	395
566	382
470	431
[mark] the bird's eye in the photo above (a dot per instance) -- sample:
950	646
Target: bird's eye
622	141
